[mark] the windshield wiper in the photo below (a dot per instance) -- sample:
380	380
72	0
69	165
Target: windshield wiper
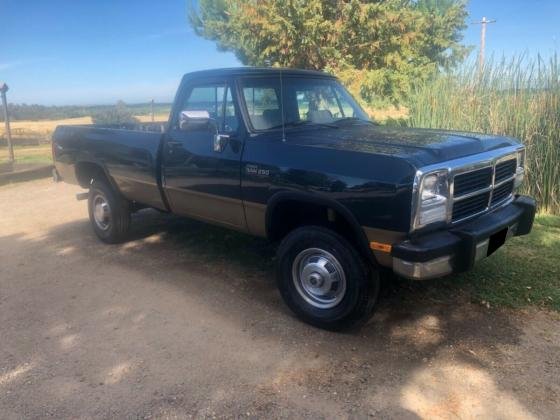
302	122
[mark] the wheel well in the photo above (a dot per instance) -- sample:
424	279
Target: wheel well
86	171
288	215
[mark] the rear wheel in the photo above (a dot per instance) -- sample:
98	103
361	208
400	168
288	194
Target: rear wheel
109	213
324	280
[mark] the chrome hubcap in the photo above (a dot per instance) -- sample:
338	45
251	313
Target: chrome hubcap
101	212
319	278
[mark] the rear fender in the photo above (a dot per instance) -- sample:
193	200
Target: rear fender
92	169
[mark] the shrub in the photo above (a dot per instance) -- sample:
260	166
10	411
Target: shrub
118	115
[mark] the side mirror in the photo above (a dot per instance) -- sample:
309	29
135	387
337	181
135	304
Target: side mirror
194	120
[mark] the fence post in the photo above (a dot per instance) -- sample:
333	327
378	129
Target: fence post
3	90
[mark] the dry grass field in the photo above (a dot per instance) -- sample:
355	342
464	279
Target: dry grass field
43	127
148	118
46	127
32	138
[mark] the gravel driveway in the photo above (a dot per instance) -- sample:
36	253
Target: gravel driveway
185	321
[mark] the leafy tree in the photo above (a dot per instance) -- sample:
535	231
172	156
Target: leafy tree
377	47
117	115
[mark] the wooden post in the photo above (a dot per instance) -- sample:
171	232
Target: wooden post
3	90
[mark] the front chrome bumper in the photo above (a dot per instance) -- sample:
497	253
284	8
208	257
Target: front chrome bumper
458	249
437	267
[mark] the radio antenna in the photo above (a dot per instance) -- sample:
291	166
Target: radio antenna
282	106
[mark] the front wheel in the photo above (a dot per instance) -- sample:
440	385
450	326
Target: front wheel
324	280
108	212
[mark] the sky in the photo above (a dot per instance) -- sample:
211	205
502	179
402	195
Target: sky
62	52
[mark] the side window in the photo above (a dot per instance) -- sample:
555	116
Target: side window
209	98
263	103
218	101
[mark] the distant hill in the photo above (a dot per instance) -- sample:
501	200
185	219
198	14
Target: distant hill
41	112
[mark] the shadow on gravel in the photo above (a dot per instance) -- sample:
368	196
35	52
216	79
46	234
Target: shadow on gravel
381	369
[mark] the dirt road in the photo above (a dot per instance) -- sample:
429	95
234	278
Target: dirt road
185	321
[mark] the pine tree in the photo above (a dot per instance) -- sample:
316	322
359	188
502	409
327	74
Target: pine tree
378	48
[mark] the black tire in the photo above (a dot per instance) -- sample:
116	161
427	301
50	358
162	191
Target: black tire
117	223
361	282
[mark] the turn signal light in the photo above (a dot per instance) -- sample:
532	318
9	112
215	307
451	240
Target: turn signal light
378	246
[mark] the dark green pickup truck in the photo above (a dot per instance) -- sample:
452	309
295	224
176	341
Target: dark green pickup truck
289	155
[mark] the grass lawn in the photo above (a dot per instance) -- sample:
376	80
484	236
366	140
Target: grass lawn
29	154
523	272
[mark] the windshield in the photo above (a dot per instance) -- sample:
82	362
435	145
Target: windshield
306	100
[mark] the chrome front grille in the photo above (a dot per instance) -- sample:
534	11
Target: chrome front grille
473	205
504	170
476	190
502	192
469	182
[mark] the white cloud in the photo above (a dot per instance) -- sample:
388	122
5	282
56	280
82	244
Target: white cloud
10	64
7	65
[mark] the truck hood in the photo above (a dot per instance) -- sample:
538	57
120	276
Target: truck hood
420	147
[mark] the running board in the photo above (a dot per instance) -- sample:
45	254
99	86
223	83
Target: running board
82	196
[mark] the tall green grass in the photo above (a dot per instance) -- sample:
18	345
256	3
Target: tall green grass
518	97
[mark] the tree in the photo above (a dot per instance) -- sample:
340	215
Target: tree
377	47
117	115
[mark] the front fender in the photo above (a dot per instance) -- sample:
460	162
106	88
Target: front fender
357	230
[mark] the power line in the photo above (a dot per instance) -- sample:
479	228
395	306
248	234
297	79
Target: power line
482	24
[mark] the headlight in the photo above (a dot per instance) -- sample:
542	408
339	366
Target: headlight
433	197
520	171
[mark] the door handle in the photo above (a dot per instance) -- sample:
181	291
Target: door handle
220	142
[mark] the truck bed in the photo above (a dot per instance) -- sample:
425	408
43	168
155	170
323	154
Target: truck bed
128	152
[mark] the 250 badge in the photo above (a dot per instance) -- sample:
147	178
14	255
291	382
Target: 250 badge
255	170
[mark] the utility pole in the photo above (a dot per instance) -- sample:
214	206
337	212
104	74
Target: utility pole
152	109
3	90
482	24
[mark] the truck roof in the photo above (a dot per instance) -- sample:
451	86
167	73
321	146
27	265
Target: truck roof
244	71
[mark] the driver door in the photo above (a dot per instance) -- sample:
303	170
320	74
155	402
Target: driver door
200	179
